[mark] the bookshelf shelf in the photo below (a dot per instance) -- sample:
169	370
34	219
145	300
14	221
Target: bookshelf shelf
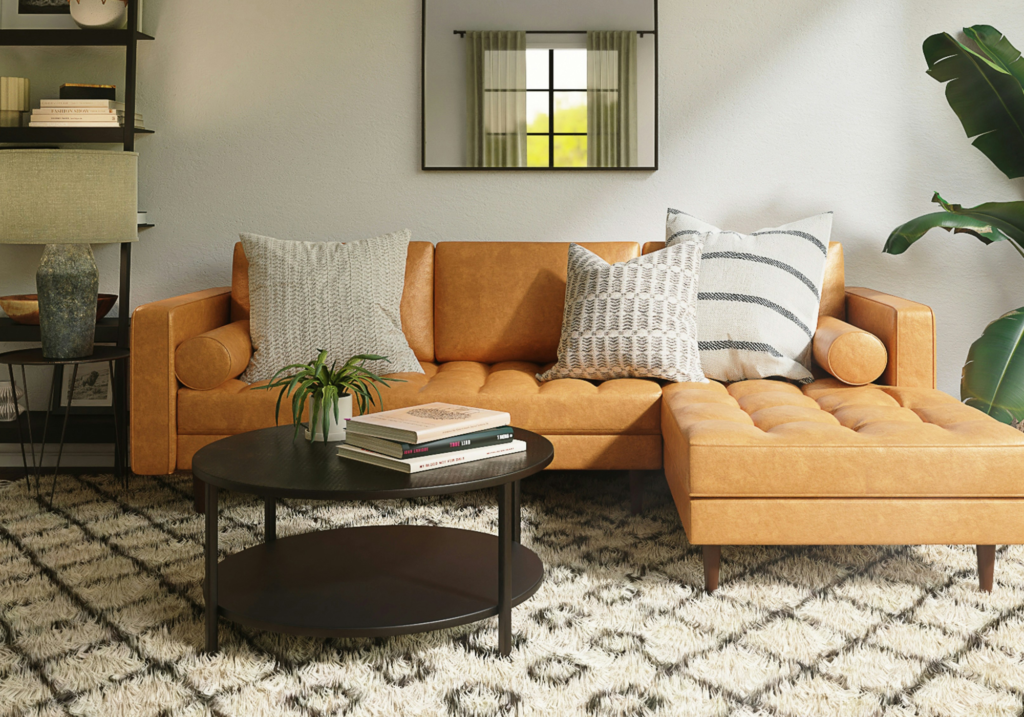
108	331
55	135
70	38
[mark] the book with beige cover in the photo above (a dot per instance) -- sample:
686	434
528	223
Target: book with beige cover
428	422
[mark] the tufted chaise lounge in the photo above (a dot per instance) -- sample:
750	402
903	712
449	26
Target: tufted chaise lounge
755	462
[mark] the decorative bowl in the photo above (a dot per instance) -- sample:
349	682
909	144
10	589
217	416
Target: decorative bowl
99	14
24	308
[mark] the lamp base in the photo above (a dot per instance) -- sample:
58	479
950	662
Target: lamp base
67	282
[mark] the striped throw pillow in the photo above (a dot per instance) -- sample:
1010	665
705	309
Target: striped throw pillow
757	306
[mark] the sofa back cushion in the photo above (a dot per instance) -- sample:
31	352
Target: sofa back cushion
833	289
503	301
417	296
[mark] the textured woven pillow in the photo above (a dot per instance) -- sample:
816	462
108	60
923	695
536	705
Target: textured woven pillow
635	318
759	294
345	298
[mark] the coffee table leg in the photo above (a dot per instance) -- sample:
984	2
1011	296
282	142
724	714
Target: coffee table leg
517	513
211	569
505	510
269	520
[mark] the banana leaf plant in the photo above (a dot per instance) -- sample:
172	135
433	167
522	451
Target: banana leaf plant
985	88
324	386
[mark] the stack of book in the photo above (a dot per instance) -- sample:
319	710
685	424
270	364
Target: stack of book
13	100
434	435
81	113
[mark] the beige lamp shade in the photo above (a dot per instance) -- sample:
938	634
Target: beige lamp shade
68	196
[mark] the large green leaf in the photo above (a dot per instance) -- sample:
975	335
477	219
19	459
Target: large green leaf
998	49
993	377
988	100
989	222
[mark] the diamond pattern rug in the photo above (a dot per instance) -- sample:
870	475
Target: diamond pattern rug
101	614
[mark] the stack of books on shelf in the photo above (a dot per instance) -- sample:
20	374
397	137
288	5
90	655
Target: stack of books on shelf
434	435
81	113
13	100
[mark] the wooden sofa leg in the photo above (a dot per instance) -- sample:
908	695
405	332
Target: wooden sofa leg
636	492
199	495
986	566
712	562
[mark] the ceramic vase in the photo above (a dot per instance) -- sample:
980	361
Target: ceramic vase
67	282
99	14
336	429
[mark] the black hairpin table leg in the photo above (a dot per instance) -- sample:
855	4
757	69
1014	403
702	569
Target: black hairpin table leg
63	431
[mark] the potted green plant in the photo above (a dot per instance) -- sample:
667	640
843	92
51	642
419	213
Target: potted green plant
985	87
328	391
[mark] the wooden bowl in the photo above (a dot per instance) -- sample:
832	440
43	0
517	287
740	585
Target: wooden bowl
24	308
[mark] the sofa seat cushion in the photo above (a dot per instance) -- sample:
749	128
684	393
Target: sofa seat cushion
771	438
629	406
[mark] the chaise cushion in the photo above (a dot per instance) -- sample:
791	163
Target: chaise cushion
627	406
770	438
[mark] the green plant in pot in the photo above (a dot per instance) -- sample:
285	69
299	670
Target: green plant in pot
985	87
329	391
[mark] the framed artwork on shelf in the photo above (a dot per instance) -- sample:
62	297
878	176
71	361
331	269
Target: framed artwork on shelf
36	15
94	391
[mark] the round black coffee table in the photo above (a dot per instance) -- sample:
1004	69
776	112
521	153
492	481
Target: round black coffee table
369	581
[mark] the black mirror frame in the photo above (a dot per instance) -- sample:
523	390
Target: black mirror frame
423	116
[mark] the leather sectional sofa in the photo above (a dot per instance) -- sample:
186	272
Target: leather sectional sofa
755	462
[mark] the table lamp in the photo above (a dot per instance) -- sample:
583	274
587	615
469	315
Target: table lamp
68	199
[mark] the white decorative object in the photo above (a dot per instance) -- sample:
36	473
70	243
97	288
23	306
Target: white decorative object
100	14
759	296
342	298
637	318
336	429
10	401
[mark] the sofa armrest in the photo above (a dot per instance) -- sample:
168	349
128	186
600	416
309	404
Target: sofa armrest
157	330
907	329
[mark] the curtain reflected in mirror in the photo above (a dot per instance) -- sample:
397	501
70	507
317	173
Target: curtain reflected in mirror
496	99
611	99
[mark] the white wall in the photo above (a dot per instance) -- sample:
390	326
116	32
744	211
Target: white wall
445	112
301	120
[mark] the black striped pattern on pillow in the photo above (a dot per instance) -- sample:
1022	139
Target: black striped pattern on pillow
758	297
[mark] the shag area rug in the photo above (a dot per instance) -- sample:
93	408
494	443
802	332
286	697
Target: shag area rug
102	607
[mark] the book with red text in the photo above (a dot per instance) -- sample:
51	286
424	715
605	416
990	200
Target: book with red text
395	449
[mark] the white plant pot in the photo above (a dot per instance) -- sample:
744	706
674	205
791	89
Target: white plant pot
99	14
336	430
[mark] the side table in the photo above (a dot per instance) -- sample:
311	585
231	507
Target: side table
116	359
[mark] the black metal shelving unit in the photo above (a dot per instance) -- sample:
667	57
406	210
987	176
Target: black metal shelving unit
85	428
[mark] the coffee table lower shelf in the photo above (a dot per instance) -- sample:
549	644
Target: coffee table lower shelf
372	581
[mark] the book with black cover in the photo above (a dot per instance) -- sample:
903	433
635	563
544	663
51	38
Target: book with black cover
71	91
396	449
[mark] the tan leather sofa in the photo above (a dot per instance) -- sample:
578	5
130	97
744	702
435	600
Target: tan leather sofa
756	462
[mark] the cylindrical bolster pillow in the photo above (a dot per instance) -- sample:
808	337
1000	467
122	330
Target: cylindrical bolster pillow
852	355
208	360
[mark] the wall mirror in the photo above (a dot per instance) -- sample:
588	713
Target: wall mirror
540	85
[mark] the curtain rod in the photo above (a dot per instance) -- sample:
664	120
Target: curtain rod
641	33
